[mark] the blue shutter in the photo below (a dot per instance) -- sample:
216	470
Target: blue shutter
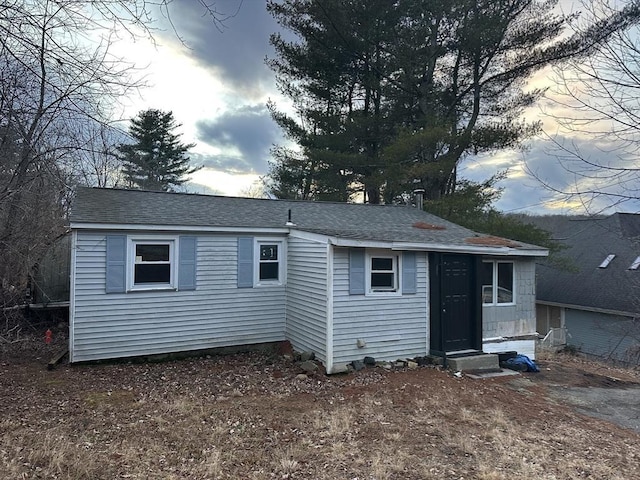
245	262
116	278
409	272
356	271
187	263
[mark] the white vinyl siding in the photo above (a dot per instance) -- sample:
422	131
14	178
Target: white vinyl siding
306	326
391	326
216	314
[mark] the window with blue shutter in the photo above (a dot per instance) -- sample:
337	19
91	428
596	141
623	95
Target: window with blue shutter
378	271
382	272
148	262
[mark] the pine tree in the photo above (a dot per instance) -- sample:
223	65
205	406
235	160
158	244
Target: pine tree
390	96
335	78
157	159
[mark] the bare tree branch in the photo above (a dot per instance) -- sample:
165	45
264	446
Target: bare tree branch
596	101
59	86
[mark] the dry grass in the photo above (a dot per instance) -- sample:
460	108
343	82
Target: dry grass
181	420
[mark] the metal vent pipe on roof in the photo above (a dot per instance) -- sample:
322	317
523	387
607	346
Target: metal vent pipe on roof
419	198
289	223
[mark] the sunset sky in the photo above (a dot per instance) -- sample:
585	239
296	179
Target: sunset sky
217	85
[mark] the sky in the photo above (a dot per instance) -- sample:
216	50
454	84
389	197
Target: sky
216	83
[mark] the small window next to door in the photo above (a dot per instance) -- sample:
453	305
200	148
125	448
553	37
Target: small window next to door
382	273
497	283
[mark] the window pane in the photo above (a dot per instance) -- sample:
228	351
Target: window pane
268	252
486	277
152	273
382	280
382	263
269	271
487	294
505	282
152	253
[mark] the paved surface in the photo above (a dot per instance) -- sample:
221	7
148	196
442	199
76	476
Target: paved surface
617	405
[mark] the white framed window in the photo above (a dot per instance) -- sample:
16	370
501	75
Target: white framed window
382	273
269	262
498	283
151	263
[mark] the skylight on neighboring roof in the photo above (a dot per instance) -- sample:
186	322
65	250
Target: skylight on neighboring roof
605	263
635	264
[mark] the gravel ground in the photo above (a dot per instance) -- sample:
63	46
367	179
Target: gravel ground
254	416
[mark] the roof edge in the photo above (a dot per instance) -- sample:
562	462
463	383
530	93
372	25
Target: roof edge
175	228
586	308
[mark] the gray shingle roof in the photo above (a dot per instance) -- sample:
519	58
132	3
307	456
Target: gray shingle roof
383	223
589	240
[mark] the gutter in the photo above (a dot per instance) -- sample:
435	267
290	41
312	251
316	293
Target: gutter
178	228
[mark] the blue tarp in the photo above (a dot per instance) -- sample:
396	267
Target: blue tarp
521	363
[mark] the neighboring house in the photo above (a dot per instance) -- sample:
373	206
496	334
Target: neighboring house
164	272
596	297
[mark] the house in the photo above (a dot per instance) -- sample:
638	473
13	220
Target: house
160	272
595	298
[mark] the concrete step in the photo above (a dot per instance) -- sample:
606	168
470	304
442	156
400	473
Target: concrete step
474	363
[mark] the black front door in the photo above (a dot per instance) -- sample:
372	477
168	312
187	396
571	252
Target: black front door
455	309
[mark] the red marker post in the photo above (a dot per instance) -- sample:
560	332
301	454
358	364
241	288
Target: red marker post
48	337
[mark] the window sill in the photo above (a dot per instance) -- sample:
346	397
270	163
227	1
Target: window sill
163	288
498	304
264	284
383	293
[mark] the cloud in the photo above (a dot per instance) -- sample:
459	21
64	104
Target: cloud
521	192
548	178
213	181
599	171
223	111
244	137
234	49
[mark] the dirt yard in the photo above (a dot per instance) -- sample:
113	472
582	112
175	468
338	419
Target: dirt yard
251	416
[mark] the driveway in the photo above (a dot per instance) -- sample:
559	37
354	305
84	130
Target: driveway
596	390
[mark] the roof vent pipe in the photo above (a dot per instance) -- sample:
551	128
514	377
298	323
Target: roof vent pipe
289	222
419	196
